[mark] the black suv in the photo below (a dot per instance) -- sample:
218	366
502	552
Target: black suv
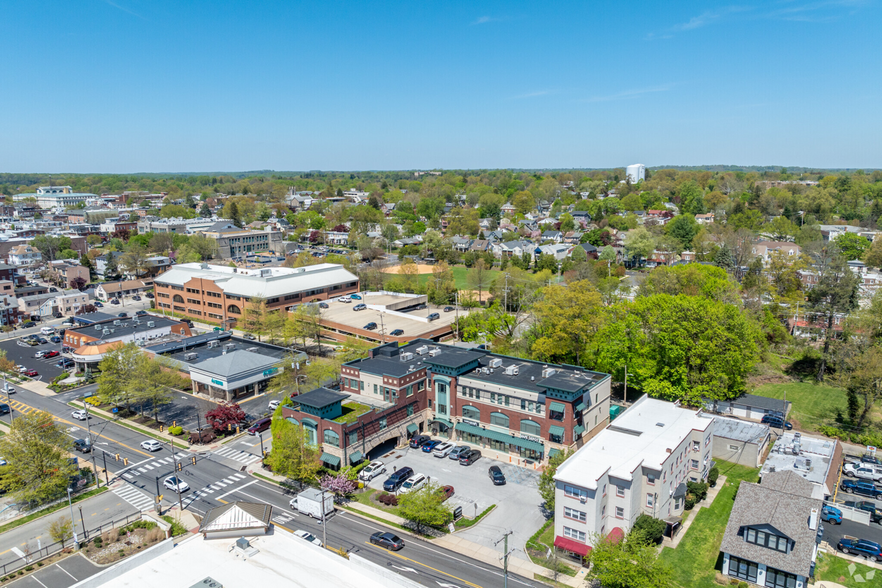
417	441
469	457
394	482
83	446
370	326
497	476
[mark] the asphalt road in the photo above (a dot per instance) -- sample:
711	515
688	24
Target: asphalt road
217	478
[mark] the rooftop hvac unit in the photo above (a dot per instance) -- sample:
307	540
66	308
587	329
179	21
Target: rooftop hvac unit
252	349
212	344
496	362
229	345
191	356
151	324
406	356
208	582
435	352
105	332
98	327
422	350
547	372
512	370
410	368
117	323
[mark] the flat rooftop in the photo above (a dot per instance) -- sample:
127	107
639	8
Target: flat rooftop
642	435
810	457
192	351
278	559
341	313
127	326
736	430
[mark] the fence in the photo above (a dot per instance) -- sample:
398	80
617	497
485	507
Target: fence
47	551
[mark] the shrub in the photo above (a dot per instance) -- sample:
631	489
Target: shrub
98	542
388	499
713	475
699	489
93	401
122	552
742	585
29	569
39	564
690	501
176	431
653	529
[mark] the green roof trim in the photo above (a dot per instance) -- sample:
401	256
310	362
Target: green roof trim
580	407
330	459
552	452
555	430
557	407
499	436
578	430
309	422
293	421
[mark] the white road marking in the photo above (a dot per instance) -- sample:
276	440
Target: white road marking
236	490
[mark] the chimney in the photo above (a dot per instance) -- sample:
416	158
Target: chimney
813	520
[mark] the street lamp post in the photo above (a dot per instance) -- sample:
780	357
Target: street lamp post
262	451
73	525
91	447
177	476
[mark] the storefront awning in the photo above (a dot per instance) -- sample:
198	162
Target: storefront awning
552	452
412	428
572	545
444	422
330	459
580	407
680	492
355	457
502	437
557	407
578	430
555	430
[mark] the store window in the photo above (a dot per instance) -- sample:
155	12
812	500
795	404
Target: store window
498	419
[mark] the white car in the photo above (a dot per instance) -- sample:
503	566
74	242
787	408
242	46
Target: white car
371	471
151	445
413	483
40	354
443	450
866	471
175	484
21	369
274	404
7	389
309	537
80	415
344	299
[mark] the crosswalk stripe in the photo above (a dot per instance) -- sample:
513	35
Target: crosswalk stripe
240	476
134	497
215	487
128	475
142	470
155	464
149	467
221	484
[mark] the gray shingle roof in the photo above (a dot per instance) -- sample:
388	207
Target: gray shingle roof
236	362
760	402
783	501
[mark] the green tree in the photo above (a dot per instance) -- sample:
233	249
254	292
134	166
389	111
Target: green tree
567	223
639	243
254	317
61	530
205	246
479	278
546	479
693	280
293	454
607	254
683	228
566	318
852	246
117	369
523	202
691	198
50	245
36	452
651	528
630	563
425	507
780	228
134	260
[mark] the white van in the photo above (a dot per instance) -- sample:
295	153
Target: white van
47	330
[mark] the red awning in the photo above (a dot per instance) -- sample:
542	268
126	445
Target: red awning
615	535
571	545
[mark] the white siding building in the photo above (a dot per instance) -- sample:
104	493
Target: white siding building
636	173
637	465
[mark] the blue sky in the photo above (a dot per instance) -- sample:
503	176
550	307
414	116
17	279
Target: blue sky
124	86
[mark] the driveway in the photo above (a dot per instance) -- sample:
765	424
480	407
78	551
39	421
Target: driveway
517	502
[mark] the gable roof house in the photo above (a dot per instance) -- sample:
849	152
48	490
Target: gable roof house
772	535
480	245
554	236
461	243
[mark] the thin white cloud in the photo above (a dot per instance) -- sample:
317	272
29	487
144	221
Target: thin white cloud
534	94
484	20
123	8
628	94
821	11
696	22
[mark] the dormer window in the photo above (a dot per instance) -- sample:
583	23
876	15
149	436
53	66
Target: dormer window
766	539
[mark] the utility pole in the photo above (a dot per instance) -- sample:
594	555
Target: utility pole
626	383
91	447
324	526
177	476
505	555
505	292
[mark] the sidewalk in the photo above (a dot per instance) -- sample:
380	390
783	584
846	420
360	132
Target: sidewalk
37	387
711	496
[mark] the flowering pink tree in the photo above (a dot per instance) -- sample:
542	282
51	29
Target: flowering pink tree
339	485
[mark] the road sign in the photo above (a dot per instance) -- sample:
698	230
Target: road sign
115	410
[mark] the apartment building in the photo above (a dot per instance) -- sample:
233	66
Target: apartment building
233	242
24	255
638	465
219	293
509	408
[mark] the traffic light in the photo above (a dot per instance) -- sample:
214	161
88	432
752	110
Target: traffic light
174	423
160	428
126	461
193	459
180	466
117	457
158	499
229	426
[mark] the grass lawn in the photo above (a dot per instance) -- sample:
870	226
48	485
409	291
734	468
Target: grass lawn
351	411
836	569
460	278
694	560
813	404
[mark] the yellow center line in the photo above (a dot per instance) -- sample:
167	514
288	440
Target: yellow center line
421	564
221	500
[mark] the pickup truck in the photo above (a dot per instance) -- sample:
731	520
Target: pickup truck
870	549
862	488
866	471
831	515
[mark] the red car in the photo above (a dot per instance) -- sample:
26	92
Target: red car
31	373
50	354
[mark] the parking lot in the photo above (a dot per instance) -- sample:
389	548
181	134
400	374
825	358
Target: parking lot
517	502
21	353
871	532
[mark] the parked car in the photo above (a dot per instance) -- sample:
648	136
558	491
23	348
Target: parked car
114	301
443	449
370	326
123	315
31	373
862	488
260	426
175	484
80	415
446	492
867	506
449	309
421	307
394	481
83	446
55	339
141	313
273	404
776	422
457	451
496	475
413	483
867	458
28	324
371	471
429	446
866	471
308	536
151	445
418	440
47	330
136	298
97	304
345	299
7	389
831	515
469	457
57	315
387	540
42	341
434	316
250	337
360	307
870	549
323	305
49	354
40	354
396	333
65	363
148	295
